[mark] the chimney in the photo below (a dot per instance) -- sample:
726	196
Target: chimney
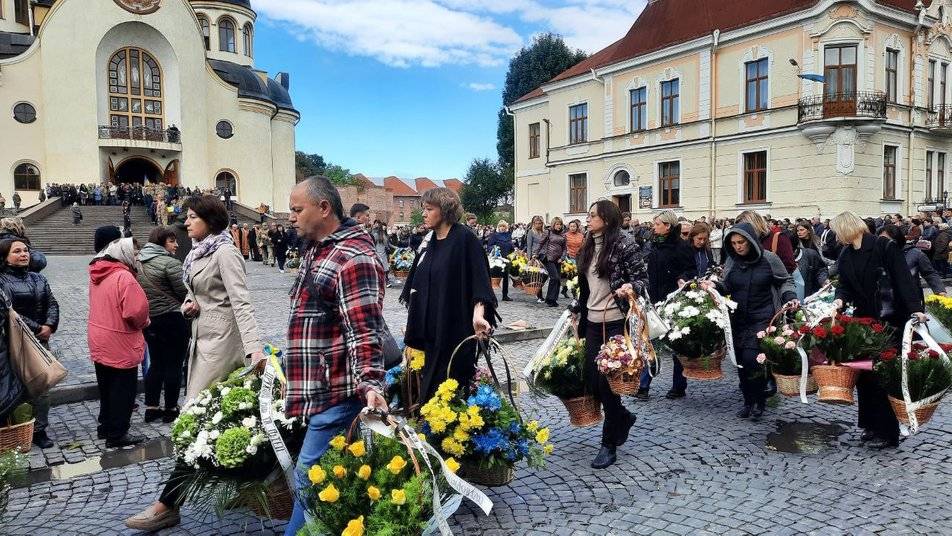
284	79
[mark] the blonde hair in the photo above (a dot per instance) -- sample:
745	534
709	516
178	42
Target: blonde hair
557	220
14	225
755	219
668	217
848	226
503	226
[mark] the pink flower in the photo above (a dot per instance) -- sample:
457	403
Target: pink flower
761	334
771	329
761	358
779	341
790	345
787	332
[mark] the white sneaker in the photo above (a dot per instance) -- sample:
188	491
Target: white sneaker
540	301
282	271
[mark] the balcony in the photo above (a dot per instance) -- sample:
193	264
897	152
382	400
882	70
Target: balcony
819	115
140	137
940	119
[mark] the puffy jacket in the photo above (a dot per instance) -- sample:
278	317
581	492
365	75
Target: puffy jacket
161	279
118	312
37	258
552	247
31	297
669	259
940	245
501	239
12	390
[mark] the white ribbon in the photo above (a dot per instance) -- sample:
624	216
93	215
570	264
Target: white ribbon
265	398
724	306
923	331
562	326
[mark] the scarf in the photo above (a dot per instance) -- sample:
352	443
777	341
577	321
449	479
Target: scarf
122	250
202	249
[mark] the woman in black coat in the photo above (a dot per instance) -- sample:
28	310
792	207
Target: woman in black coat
874	279
759	283
279	241
611	268
502	239
33	300
670	260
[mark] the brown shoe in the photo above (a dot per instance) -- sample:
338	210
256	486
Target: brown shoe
148	521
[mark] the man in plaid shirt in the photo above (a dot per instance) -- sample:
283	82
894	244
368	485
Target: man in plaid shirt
334	358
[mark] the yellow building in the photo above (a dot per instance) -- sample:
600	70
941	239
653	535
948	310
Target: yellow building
134	90
700	108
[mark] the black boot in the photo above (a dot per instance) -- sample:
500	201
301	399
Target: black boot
127	440
757	412
604	458
42	440
625	429
867	435
153	414
880	443
745	411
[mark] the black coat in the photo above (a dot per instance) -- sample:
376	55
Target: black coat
12	391
31	296
668	261
876	280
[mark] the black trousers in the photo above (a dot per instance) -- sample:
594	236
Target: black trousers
875	413
171	495
596	383
282	256
753	377
505	283
255	252
552	291
117	395
167	337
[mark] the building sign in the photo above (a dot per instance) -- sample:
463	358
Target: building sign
139	7
644	197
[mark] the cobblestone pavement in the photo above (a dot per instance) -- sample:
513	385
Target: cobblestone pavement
269	292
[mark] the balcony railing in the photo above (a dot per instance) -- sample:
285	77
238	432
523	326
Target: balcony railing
940	117
169	135
856	104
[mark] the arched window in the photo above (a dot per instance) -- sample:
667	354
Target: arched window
225	180
622	178
206	32
226	35
135	95
26	177
246	35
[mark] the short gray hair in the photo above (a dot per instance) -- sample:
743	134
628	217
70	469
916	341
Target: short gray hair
320	188
451	209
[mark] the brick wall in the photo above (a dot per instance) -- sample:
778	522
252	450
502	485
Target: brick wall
377	198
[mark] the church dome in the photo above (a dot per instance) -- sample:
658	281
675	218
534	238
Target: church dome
251	86
242	3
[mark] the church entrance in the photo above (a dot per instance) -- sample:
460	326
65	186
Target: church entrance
137	170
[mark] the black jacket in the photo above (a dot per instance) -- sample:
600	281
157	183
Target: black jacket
628	266
31	296
813	270
12	390
876	280
503	240
668	261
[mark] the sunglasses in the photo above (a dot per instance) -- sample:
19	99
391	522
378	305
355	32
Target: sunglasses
685	235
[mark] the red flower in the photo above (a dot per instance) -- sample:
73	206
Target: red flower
888	354
804	329
878	328
865	321
946	347
933	354
837	330
846	319
819	332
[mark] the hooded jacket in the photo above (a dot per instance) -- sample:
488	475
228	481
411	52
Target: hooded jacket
118	312
161	279
758	282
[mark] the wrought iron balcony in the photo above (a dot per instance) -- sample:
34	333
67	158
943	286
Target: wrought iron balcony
169	135
851	105
940	118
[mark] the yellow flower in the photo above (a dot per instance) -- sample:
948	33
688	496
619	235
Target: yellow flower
417	359
373	492
357	449
355	527
452	465
398	496
422	437
339	442
364	472
329	494
339	471
542	435
460	435
396	465
447	389
548	449
532	426
316	474
452	446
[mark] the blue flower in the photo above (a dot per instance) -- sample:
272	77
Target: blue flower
515	428
523	446
425	429
393	375
486	398
510	454
491	441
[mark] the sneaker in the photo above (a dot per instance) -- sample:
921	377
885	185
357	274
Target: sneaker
282	271
149	521
642	394
540	301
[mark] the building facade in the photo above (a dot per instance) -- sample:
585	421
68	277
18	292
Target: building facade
141	90
701	108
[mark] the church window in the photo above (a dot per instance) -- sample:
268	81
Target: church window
26	177
24	112
226	35
206	32
136	106
247	41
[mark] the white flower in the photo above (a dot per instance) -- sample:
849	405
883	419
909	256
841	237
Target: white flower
674	335
214	434
760	334
778	340
244	405
249	422
251	449
686	330
198	410
247	384
217	417
225	390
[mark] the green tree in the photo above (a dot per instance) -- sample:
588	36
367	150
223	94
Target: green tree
416	217
528	70
484	188
308	165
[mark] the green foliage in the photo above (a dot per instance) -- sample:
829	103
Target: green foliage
927	373
530	68
308	165
775	343
230	446
485	186
340	176
21	414
416	217
562	373
13	466
184	430
231	402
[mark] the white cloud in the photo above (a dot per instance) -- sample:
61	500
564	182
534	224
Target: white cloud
432	33
478	86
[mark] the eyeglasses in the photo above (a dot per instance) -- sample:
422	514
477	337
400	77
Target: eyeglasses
685	235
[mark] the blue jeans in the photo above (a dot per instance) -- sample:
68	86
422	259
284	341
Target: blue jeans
678	382
321	428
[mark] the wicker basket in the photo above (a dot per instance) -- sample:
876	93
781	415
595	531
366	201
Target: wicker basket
497	282
624	383
491	477
923	414
835	382
516	282
706	368
401	274
279	498
532	289
790	385
19	436
583	411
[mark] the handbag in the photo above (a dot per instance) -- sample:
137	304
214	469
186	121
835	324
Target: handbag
32	362
657	327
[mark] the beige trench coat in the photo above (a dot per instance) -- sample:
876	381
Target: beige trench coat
225	331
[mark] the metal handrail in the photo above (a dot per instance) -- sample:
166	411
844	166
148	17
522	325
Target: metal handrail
940	117
169	135
861	104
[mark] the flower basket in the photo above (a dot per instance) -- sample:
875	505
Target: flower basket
623	357
516	282
491	477
583	411
532	289
533	277
18	436
624	383
497	282
923	414
278	502
705	368
790	385
835	383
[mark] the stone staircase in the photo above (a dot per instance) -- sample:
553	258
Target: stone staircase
56	234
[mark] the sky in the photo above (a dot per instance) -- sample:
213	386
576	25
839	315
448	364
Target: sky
412	87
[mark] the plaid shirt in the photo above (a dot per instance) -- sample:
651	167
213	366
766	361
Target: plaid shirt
334	348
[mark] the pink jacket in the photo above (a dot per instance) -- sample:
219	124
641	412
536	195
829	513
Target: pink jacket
118	312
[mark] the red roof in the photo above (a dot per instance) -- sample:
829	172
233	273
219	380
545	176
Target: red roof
364	181
454	184
423	184
399	188
665	23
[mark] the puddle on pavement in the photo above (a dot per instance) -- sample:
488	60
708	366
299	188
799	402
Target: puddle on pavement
150	450
804	437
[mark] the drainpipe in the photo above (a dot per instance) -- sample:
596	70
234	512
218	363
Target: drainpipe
716	36
596	77
548	127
